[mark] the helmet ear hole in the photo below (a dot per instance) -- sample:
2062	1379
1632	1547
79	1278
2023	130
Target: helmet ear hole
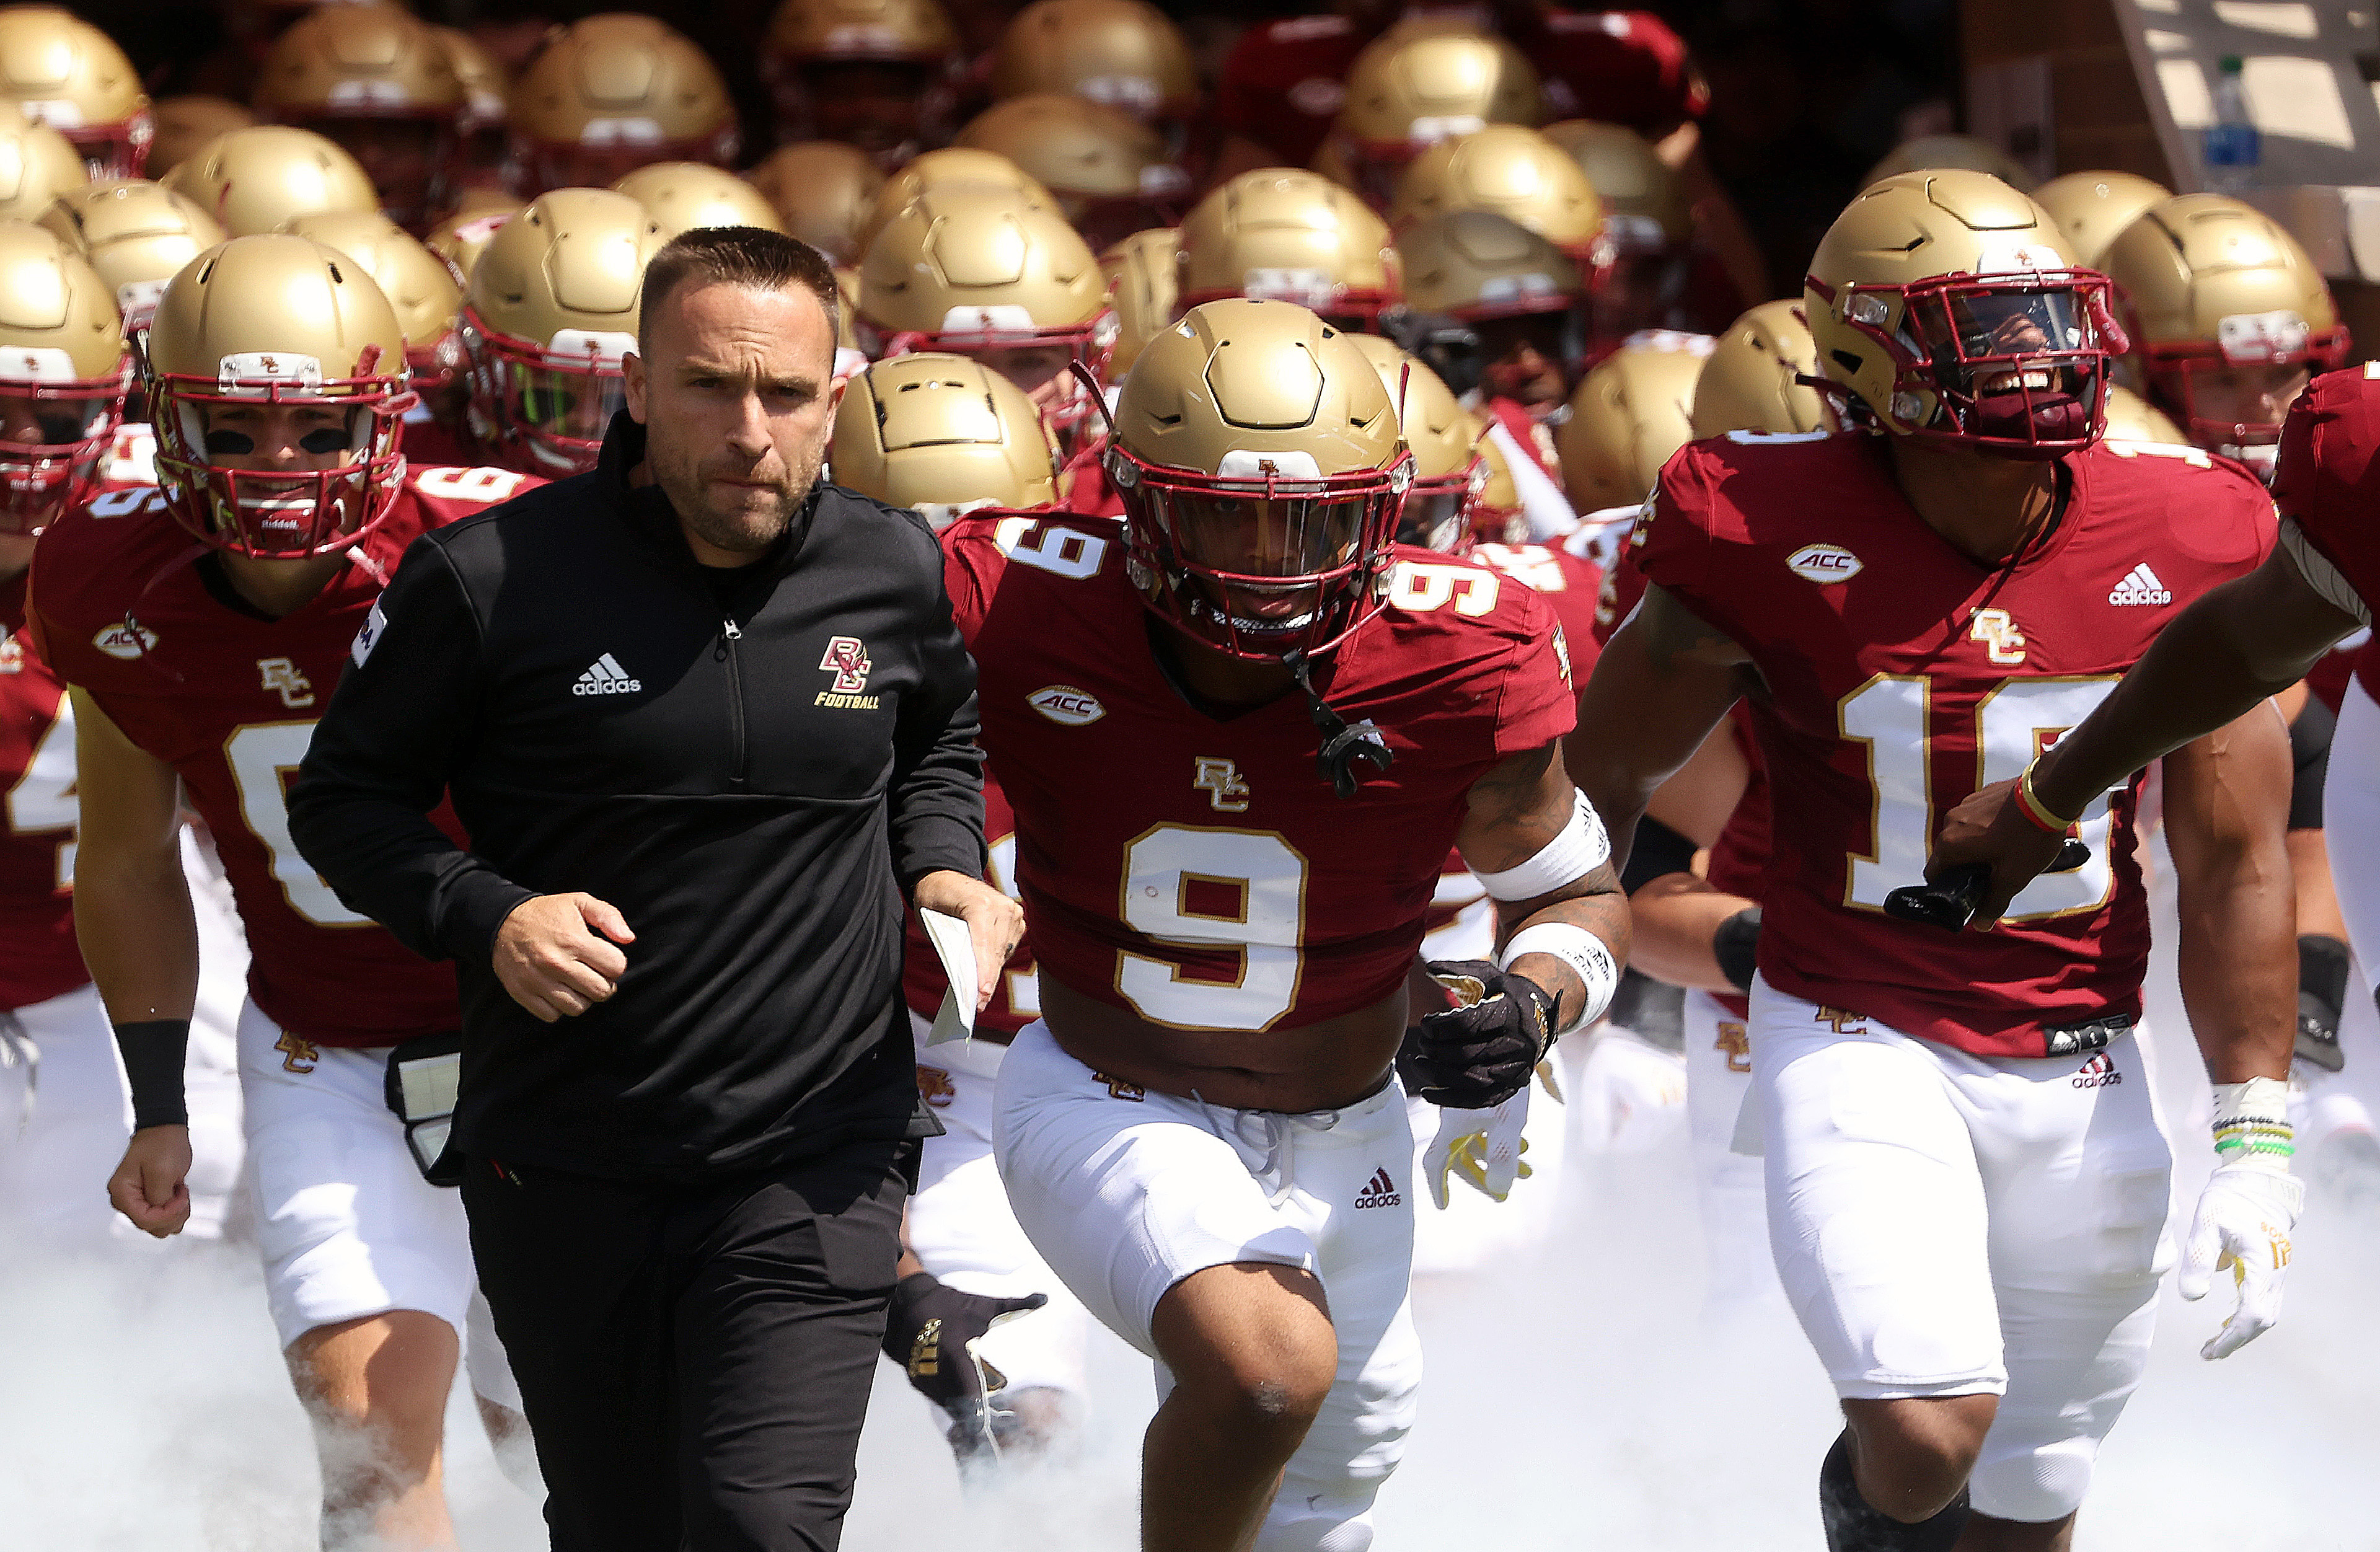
1849	362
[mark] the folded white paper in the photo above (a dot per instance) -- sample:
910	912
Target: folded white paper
956	1020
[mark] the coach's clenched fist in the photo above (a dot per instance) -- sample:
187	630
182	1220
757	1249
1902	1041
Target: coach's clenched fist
558	954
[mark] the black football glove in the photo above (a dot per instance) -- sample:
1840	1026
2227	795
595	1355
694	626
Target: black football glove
1481	1051
927	1331
2322	1000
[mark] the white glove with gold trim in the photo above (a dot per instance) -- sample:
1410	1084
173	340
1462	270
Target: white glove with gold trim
2245	1214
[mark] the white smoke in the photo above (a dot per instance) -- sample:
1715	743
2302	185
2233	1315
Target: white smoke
1575	1398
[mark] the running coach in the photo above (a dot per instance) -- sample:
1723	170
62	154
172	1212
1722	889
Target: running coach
707	722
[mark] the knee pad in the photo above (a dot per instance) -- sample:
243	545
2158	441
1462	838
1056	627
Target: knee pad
1300	1521
1851	1525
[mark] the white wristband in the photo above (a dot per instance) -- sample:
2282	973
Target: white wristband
1577	948
1579	849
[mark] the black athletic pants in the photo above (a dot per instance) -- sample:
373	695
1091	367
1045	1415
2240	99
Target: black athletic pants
695	1359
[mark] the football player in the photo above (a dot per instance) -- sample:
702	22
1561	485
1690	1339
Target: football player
982	1327
63	370
1515	171
2094	207
428	307
67	74
681	196
1967	1182
254	180
2255	637
571	126
881	75
990	273
1495	311
383	85
278	370
1288	236
1204	1134
1111	174
2229	319
1671	260
1144	286
822	191
550	311
1120	54
1421	83
44	165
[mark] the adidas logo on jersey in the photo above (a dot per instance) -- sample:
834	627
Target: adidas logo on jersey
1378	1192
2140	586
605	676
2098	1072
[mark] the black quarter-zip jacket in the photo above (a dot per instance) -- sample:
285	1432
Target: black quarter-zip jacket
753	767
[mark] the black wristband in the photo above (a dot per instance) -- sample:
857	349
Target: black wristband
153	1050
2322	999
1736	946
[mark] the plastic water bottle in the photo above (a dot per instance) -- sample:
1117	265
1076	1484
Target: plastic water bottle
2233	151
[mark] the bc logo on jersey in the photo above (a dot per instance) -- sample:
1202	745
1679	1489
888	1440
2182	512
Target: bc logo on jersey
1220	779
282	675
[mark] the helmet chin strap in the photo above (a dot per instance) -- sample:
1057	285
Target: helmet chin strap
1344	747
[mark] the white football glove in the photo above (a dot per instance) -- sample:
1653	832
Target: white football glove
1482	1146
1631	1094
2245	1214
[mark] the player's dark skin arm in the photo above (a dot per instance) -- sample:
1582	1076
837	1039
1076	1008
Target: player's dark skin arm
1511	819
1676	916
1661	685
2226	814
2250	638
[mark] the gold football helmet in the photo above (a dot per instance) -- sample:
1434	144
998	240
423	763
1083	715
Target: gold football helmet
1952	152
1753	378
62	71
254	324
1945	303
944	435
1111	173
253	180
1645	205
682	196
1286	235
417	283
822	192
37	166
1123	54
1449	473
2230	318
64	372
186	126
137	235
881	75
463	236
1418	84
2094	208
383	85
2133	419
1513	171
1144	286
947	165
1262	469
975	271
1629	415
607	94
550	311
1496	307
1498	514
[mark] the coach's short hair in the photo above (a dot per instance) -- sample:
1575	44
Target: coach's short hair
751	255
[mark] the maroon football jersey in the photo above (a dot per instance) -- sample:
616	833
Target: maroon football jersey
1625	68
1199	870
123	609
1570	585
1902	675
2328	480
37	828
